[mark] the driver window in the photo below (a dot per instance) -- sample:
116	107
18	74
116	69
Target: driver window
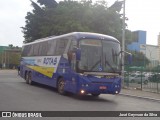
72	55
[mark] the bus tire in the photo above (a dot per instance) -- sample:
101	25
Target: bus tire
26	77
30	78
60	86
95	95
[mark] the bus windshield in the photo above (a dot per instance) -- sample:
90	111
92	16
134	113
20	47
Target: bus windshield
99	56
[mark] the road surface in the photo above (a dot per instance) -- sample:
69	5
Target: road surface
16	95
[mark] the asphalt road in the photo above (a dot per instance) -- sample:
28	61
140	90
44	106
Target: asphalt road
16	95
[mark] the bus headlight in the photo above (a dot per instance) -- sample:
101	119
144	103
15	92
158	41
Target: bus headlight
116	92
82	91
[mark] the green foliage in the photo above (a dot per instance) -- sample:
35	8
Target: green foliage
51	18
48	3
128	39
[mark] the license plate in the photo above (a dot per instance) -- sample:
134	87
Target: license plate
102	87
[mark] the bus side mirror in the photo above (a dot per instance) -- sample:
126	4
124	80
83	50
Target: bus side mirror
78	54
128	58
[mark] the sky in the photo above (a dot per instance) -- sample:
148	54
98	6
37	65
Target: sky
142	15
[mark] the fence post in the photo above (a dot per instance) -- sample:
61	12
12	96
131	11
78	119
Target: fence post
141	77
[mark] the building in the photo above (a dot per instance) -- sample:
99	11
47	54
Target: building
9	56
2	48
138	37
152	52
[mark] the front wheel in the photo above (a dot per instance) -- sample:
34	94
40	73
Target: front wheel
60	86
27	77
95	95
30	78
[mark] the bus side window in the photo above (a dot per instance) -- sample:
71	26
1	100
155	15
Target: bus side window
71	54
43	49
36	48
51	47
30	50
60	46
24	51
40	49
72	45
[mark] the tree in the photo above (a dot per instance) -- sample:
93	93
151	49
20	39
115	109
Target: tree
10	45
33	23
48	3
51	18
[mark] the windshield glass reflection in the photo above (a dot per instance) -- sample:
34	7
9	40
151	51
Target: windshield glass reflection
99	56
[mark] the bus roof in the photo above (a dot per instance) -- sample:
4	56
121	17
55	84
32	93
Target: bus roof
78	35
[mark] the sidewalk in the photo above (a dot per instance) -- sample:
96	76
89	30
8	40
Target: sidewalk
140	94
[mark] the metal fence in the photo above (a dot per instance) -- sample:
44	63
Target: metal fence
142	79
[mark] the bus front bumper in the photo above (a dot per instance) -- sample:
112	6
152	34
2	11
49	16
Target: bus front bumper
100	89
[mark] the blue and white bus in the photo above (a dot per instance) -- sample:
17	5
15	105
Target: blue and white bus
79	62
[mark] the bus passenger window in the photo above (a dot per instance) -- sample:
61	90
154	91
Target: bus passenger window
60	46
29	50
51	47
43	49
36	48
24	51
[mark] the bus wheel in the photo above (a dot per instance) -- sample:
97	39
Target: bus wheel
60	86
30	78
27	77
95	95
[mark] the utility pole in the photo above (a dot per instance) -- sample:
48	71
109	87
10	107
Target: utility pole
2	59
123	42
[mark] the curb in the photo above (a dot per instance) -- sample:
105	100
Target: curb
141	97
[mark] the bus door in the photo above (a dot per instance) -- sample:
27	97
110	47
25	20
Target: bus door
72	62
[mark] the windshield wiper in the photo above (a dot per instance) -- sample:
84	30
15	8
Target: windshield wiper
95	64
106	62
